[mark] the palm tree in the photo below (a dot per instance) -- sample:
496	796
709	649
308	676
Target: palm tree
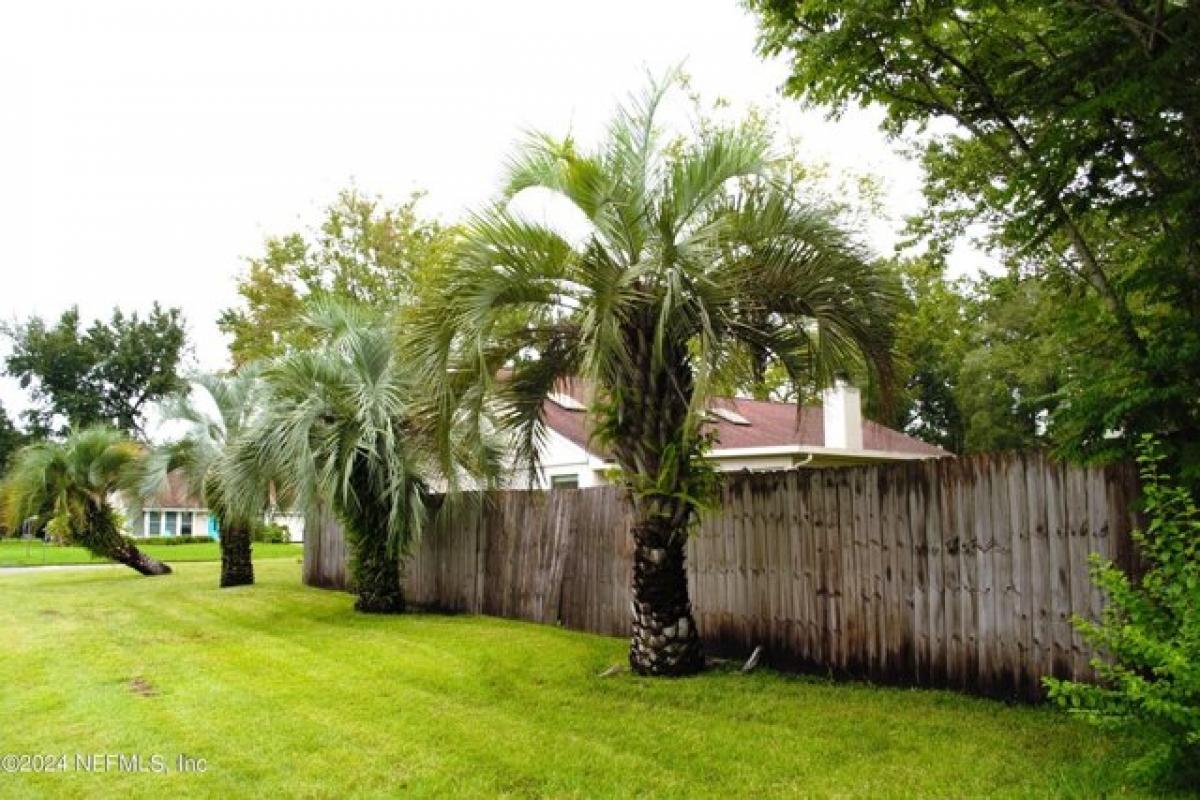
69	488
342	429
203	456
697	257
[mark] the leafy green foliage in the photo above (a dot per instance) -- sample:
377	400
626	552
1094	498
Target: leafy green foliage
65	485
171	541
1070	130
67	488
271	533
1011	371
202	454
107	374
344	426
1149	634
203	457
933	331
363	252
11	438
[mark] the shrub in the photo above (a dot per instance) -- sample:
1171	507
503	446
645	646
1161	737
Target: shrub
272	533
142	540
1148	637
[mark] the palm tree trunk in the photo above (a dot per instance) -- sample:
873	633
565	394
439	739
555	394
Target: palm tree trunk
129	555
665	640
237	568
102	537
376	574
648	437
374	567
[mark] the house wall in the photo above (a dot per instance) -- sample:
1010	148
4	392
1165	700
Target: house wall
140	526
202	523
560	458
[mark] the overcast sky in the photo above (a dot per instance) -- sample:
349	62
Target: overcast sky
146	148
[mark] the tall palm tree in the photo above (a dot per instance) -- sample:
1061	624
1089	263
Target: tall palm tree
342	428
69	487
697	256
202	455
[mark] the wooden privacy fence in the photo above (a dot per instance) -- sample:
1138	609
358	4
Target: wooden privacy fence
956	572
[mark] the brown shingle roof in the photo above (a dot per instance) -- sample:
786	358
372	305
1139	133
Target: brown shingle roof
771	425
173	493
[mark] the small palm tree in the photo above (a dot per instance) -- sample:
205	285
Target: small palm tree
69	488
203	457
697	257
342	428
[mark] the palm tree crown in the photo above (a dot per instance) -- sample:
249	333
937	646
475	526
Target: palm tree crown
697	253
69	488
343	426
203	455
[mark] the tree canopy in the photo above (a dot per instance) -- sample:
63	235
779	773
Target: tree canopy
363	252
1073	131
106	374
11	438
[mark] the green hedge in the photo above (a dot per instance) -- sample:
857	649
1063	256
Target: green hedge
140	540
272	533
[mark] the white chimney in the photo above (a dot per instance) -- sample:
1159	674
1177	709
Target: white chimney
843	416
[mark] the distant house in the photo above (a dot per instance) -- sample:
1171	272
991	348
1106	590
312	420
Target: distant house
750	435
174	511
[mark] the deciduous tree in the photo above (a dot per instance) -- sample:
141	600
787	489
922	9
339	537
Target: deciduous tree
106	374
363	252
1072	130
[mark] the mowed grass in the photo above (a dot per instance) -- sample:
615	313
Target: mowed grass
285	691
33	553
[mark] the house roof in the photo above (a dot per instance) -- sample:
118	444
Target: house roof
173	493
770	425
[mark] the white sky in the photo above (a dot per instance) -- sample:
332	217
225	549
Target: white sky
147	147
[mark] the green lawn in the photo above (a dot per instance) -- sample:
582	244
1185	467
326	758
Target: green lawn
284	691
21	553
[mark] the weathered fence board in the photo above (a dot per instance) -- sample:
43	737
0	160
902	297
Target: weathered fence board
959	572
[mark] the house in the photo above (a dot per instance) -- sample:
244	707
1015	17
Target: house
174	511
750	435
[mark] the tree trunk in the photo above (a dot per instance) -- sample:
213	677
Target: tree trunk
132	557
103	538
376	574
237	568
648	427
665	640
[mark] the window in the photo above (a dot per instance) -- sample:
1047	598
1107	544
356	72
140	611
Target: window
185	523
564	481
153	521
169	523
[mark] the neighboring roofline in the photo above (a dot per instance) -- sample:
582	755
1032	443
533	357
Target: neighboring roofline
174	508
805	450
793	450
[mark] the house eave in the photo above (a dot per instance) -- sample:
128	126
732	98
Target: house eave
798	453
